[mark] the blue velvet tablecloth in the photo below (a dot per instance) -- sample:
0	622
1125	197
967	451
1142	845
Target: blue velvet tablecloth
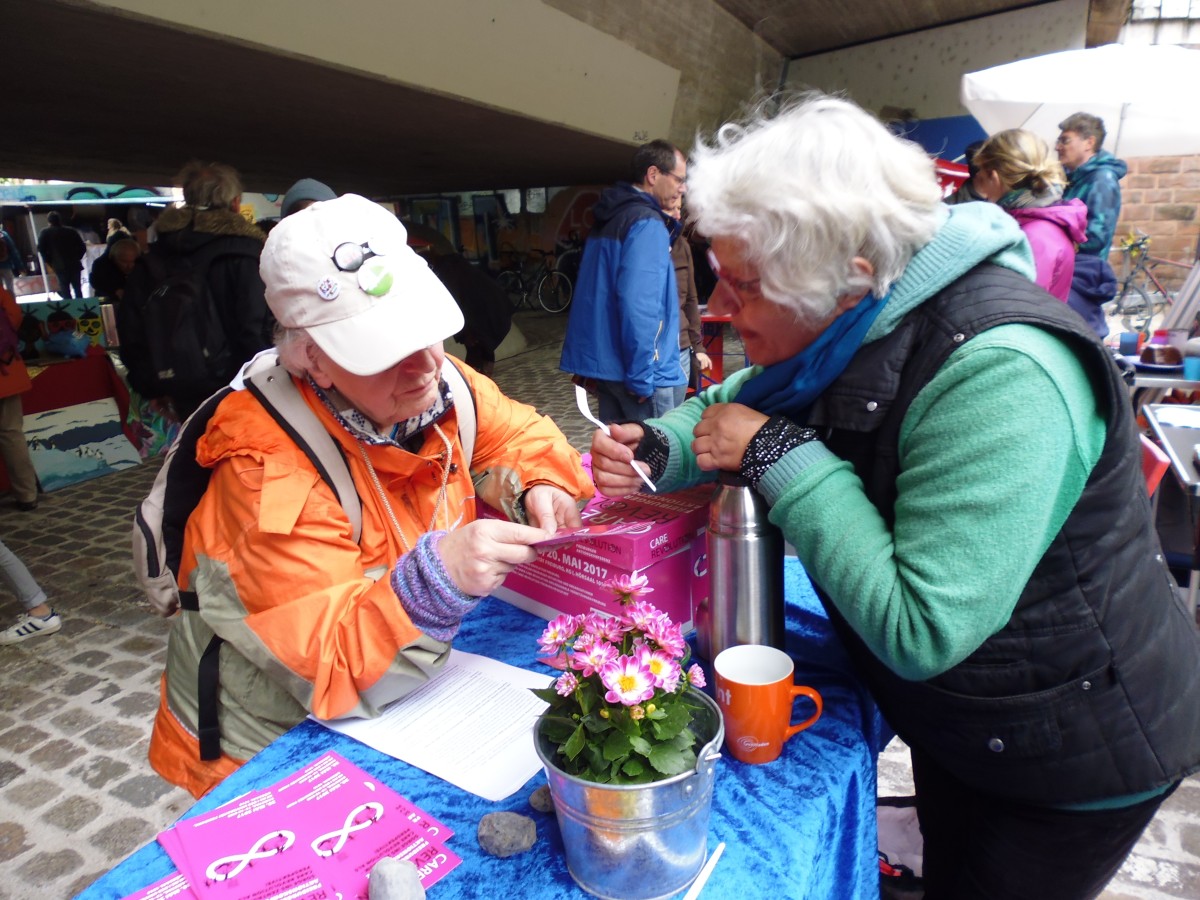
800	827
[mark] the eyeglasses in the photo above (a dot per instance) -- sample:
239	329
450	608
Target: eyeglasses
349	257
681	180
754	284
1063	140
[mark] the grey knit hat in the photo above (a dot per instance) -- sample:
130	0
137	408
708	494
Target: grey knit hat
304	189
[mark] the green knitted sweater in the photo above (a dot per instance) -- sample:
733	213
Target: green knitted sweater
994	453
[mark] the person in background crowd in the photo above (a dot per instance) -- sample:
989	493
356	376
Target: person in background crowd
39	618
110	270
953	455
691	343
625	313
117	232
1093	176
966	191
487	314
14	381
63	249
1015	169
12	266
212	194
313	622
302	194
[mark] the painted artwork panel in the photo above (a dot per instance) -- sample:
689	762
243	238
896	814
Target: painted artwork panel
79	442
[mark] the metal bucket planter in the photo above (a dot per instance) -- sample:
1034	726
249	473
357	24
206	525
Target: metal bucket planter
638	841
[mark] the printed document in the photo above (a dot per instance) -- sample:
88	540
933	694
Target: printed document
472	725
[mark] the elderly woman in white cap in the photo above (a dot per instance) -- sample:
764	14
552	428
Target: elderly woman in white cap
953	455
311	621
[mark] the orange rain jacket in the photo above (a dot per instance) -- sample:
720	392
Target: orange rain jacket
309	618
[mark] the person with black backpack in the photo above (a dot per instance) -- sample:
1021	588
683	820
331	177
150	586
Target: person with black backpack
194	310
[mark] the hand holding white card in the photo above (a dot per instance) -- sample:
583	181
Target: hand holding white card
582	402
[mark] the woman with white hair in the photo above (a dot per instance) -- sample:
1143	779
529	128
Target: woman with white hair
296	614
953	456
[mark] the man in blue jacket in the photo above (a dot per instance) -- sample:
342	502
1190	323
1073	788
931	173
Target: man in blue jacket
624	322
1093	176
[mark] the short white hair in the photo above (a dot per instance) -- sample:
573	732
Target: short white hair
806	191
293	346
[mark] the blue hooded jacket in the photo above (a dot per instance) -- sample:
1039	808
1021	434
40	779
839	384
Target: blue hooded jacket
624	319
1096	184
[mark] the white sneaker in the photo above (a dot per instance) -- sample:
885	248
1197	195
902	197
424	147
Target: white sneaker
31	626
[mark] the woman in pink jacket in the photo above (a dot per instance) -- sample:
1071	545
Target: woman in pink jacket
1019	172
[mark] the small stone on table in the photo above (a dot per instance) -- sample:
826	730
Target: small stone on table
395	879
506	833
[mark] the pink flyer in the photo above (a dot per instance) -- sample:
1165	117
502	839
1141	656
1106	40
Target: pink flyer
314	834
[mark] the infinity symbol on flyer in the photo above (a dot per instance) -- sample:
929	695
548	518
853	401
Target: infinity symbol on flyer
267	846
352	824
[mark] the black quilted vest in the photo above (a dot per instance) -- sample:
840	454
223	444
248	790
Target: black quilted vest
1092	690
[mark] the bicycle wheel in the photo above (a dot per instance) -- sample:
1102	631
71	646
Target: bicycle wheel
554	292
1134	308
510	281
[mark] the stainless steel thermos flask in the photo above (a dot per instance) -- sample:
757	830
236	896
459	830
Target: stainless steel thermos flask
745	569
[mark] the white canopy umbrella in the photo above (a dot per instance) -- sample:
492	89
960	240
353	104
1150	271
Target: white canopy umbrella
1148	96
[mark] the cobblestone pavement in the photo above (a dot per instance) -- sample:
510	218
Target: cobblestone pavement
76	793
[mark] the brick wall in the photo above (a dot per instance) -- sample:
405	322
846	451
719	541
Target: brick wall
1160	195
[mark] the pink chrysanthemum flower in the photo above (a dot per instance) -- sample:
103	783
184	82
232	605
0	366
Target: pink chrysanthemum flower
559	631
566	684
639	616
606	628
628	681
663	667
696	676
589	660
629	587
667	635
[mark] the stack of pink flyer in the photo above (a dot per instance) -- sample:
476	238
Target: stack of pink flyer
315	834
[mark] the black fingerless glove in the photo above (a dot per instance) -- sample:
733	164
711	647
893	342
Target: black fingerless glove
771	443
653	450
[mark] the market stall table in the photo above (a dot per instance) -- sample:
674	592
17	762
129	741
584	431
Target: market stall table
800	827
60	382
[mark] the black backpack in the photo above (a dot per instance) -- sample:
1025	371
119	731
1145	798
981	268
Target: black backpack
173	340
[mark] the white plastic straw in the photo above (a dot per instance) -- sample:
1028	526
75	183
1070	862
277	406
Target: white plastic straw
582	402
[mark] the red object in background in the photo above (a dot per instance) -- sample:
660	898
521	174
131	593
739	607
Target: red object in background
73	381
950	175
712	332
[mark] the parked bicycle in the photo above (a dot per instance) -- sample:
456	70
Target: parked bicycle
1141	295
535	278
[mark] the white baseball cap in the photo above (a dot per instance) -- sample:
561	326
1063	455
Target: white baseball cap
342	270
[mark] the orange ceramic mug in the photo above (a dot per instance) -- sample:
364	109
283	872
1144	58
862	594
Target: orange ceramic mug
755	692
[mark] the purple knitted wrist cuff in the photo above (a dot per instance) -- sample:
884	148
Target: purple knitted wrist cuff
434	603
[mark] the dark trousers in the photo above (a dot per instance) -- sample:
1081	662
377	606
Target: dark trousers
69	280
979	847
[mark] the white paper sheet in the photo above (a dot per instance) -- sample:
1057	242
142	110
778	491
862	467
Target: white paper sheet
472	725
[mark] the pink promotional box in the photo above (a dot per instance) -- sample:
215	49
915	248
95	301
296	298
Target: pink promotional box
571	578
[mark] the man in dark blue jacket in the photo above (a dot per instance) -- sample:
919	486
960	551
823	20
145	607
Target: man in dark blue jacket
624	321
1092	176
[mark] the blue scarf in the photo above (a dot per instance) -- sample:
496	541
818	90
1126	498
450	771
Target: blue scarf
789	387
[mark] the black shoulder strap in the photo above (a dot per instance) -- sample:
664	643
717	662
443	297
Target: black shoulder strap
274	389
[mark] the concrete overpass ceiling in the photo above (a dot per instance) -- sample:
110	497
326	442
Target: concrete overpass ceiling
95	94
807	27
